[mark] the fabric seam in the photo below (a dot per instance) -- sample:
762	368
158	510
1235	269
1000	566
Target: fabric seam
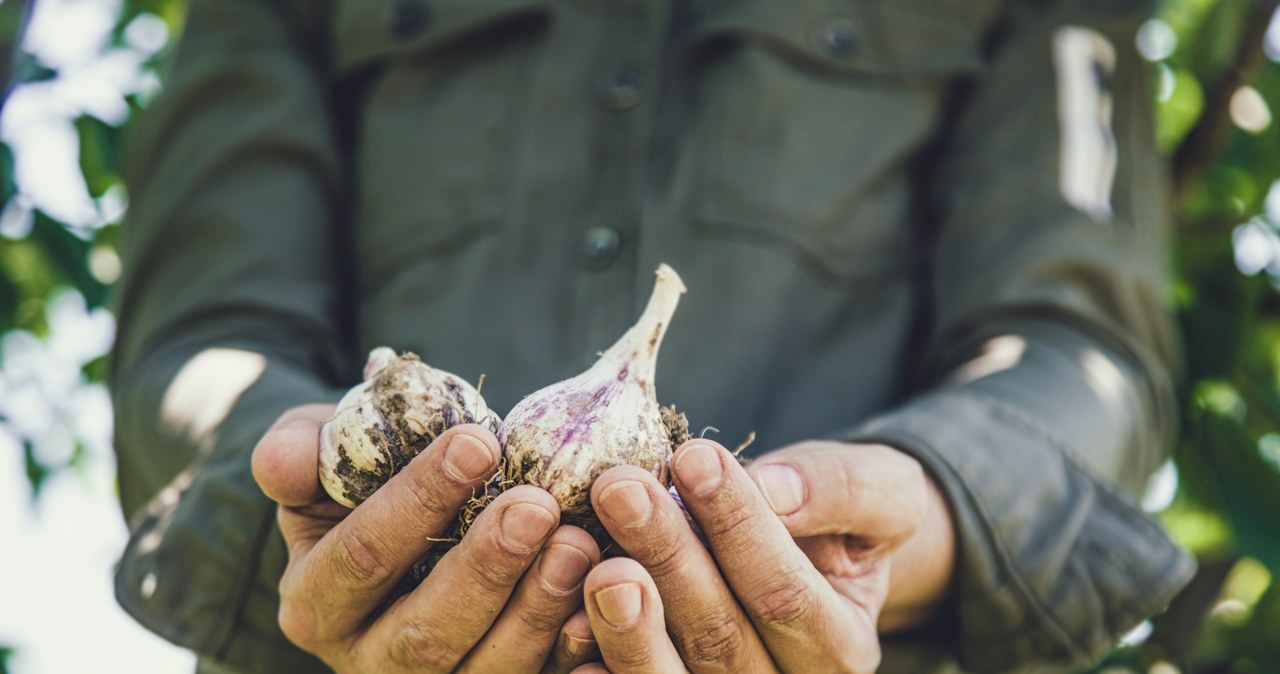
231	617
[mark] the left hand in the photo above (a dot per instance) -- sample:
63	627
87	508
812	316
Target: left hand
806	549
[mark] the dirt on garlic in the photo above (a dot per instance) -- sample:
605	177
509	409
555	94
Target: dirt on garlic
388	419
560	438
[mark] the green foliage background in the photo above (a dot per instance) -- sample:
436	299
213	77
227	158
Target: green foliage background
1227	505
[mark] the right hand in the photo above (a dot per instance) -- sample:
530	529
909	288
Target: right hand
507	598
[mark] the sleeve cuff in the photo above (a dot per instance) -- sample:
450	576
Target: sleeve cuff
1053	563
192	571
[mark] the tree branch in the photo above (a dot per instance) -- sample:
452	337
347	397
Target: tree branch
1204	144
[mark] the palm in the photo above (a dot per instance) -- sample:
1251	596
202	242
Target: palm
859	574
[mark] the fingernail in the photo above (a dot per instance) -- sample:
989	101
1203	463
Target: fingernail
563	567
578	646
467	459
782	486
525	525
699	469
620	604
627	503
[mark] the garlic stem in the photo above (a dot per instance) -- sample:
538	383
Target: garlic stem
648	331
563	436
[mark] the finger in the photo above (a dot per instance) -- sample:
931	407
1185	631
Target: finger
286	461
708	627
432	628
626	618
332	589
522	638
591	668
304	526
871	491
575	647
804	623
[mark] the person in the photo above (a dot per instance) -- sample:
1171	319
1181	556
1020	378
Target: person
924	248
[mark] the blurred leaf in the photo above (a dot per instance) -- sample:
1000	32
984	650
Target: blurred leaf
96	370
7	186
99	154
1202	530
1257	640
1214	48
1177	114
69	256
13	23
78	456
1218	323
1185	18
1247	582
6	652
24	263
1246	485
172	12
37	472
9	297
28	69
1262	397
107	235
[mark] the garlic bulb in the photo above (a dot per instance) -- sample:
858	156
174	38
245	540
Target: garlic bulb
562	437
381	424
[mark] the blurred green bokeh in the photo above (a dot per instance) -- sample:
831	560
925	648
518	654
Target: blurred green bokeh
1216	89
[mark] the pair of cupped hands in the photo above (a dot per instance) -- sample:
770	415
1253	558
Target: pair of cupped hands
810	553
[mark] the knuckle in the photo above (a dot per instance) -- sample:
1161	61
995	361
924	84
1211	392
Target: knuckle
420	645
782	601
429	492
540	620
357	558
494	571
290	585
716	647
665	558
631	657
298	626
732	521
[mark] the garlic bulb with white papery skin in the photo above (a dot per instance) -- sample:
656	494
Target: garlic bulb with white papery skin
562	437
381	424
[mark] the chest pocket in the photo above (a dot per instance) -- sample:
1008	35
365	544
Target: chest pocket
441	86
810	115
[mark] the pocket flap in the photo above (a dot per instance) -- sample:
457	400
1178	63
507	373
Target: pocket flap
861	36
366	30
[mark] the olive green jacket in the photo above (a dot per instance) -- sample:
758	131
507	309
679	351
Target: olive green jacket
937	224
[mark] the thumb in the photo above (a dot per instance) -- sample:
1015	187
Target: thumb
286	461
818	488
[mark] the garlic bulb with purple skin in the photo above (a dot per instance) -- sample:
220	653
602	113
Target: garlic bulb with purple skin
381	424
562	437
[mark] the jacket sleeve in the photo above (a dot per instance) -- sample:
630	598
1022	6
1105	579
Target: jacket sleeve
228	314
1049	395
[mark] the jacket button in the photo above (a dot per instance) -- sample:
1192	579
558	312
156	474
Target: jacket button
620	90
600	246
838	38
408	19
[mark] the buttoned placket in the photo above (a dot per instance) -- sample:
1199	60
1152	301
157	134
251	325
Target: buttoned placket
624	90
